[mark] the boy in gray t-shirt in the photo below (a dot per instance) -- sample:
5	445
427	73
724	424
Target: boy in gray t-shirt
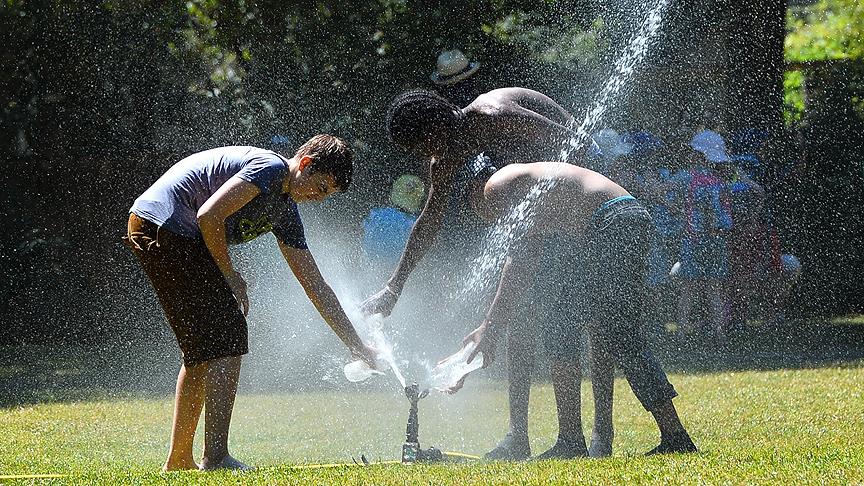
180	229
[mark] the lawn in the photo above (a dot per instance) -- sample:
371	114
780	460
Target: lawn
777	426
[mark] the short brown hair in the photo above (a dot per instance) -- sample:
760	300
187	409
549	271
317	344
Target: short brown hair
330	155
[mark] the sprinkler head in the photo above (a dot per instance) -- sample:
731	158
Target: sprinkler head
413	393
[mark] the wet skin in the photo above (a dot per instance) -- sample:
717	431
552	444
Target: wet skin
512	125
566	207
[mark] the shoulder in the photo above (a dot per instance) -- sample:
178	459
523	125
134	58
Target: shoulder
263	168
264	157
492	102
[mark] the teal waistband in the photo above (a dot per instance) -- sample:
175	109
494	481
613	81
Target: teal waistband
608	204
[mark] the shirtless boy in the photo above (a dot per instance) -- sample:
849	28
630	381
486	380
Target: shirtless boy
615	230
508	125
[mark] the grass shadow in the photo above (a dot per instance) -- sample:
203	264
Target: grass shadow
31	374
796	344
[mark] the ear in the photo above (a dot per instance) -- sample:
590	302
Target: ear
304	162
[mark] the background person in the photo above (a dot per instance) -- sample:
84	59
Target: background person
704	252
386	229
455	77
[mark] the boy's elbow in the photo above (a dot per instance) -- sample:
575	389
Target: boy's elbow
207	219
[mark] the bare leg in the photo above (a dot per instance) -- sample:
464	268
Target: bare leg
719	308
685	305
602	387
520	364
566	380
221	389
188	401
520	355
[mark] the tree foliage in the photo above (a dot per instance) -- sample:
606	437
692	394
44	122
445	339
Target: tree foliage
828	29
99	97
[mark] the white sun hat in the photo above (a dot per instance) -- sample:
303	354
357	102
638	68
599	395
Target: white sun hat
710	144
453	67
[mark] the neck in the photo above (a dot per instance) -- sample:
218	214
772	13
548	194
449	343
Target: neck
293	169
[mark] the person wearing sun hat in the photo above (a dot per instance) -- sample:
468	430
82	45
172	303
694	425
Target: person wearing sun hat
453	67
386	229
607	146
704	257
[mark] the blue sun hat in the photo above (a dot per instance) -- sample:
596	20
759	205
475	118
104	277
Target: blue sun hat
711	145
608	144
790	264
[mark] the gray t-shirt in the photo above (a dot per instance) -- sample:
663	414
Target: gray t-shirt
173	201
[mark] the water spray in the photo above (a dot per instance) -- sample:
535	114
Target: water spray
442	377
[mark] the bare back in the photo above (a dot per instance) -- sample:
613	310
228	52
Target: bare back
515	125
566	206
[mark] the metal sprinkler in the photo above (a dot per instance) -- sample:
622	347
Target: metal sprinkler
411	451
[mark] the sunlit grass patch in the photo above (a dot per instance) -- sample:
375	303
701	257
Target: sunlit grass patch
852	319
752	427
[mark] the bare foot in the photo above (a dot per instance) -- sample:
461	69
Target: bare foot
227	462
179	465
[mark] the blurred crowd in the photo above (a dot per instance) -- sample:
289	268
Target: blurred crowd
715	236
715	260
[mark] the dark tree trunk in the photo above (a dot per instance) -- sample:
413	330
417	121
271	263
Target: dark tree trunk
754	41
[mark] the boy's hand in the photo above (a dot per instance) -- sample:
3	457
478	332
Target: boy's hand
380	303
456	387
238	288
486	341
367	353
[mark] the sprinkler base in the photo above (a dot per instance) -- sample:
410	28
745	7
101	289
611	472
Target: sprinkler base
411	453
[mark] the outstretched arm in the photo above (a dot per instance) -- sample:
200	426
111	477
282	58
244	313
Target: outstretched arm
421	238
519	267
324	299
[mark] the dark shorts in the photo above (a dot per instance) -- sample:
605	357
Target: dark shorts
617	245
561	288
198	303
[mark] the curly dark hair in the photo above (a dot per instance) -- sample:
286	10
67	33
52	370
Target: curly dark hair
418	112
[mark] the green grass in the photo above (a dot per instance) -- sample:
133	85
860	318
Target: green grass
787	426
853	319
